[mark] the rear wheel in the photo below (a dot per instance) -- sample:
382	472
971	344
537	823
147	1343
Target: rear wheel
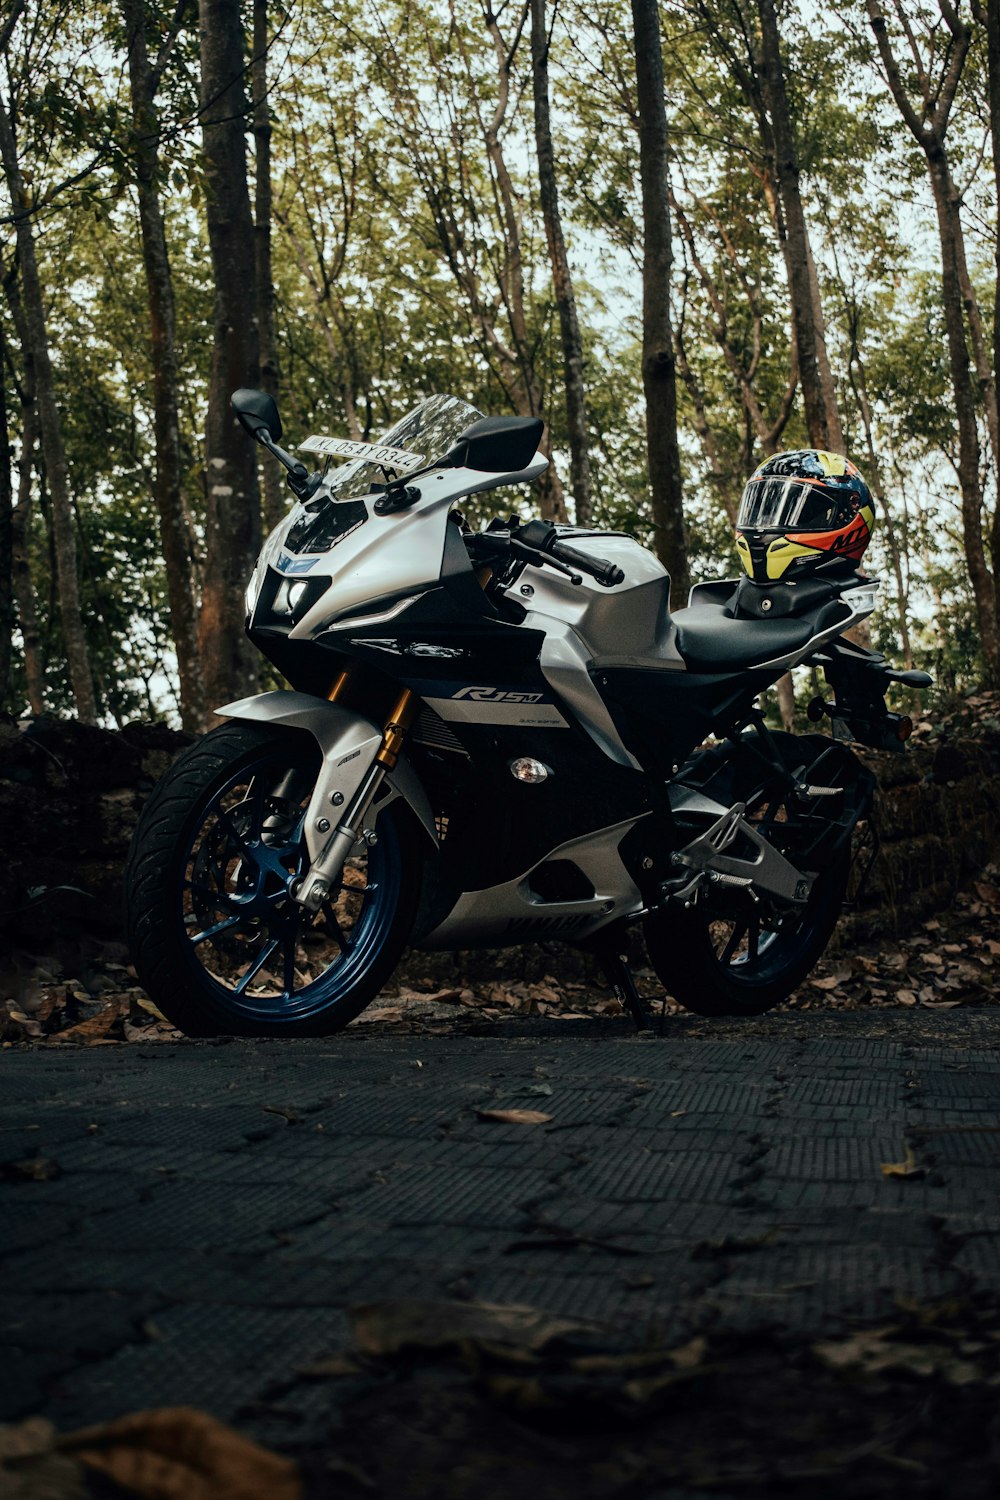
740	959
216	937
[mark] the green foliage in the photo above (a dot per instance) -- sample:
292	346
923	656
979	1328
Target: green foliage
394	273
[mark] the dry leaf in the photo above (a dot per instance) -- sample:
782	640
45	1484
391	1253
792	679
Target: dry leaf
906	1168
906	997
514	1116
386	1328
177	1453
32	1169
31	1469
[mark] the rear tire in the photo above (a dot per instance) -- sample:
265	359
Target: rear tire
732	963
216	938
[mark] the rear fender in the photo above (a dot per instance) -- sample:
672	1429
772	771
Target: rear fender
348	743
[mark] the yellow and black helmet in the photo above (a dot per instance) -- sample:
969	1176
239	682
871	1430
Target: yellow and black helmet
800	509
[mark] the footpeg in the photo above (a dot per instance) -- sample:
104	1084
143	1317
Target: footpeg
769	871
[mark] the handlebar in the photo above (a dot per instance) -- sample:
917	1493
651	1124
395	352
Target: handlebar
544	538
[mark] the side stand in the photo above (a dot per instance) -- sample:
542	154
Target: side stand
619	976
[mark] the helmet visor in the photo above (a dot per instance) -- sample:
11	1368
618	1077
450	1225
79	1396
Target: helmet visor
793	505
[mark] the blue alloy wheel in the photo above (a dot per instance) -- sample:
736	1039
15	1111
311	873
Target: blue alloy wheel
217	938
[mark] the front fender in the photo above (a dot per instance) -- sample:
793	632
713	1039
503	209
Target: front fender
348	743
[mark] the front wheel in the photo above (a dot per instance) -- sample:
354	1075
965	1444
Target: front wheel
744	960
217	940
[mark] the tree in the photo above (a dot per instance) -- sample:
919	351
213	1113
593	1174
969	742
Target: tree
927	120
562	279
174	523
7	612
658	363
819	396
232	498
274	498
37	348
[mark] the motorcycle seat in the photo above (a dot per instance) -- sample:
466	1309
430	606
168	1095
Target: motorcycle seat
710	640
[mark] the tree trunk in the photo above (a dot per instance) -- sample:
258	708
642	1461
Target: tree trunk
174	523
24	593
658	366
274	491
946	203
232	496
816	378
8	617
993	63
74	639
562	280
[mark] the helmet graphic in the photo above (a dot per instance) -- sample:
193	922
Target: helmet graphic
800	509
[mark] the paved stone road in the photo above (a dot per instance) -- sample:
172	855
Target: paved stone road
218	1206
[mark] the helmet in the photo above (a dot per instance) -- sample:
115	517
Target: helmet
800	509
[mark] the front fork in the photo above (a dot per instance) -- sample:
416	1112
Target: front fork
314	887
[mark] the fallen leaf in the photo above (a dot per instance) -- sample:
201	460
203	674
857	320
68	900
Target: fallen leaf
31	1469
825	984
290	1116
909	1167
514	1116
178	1453
387	1328
675	1114
32	1169
906	997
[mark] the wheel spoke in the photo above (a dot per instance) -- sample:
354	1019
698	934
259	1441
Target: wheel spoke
753	940
256	966
735	938
211	931
334	928
213	897
288	977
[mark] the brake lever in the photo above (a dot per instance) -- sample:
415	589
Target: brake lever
542	560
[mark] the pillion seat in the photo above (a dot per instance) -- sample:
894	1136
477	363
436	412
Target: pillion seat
710	640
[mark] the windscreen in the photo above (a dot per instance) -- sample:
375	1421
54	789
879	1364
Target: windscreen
430	429
790	505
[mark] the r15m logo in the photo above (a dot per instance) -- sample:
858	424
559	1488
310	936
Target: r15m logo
496	695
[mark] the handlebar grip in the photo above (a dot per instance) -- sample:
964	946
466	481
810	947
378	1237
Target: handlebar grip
607	573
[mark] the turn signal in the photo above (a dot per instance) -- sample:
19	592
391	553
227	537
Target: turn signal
530	771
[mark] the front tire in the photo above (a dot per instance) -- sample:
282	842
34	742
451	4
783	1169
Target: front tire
216	938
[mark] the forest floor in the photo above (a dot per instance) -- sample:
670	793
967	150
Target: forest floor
952	960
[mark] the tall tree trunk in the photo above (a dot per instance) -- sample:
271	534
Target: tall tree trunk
74	639
993	63
274	491
562	280
658	366
8	617
232	496
24	592
928	124
174	523
815	376
946	203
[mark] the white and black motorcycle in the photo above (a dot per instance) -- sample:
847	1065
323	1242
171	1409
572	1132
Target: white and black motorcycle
495	737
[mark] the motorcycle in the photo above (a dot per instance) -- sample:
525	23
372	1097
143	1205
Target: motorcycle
497	736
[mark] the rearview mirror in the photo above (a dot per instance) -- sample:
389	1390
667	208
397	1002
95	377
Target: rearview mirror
257	412
497	445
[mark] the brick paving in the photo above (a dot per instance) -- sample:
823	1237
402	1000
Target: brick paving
200	1216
